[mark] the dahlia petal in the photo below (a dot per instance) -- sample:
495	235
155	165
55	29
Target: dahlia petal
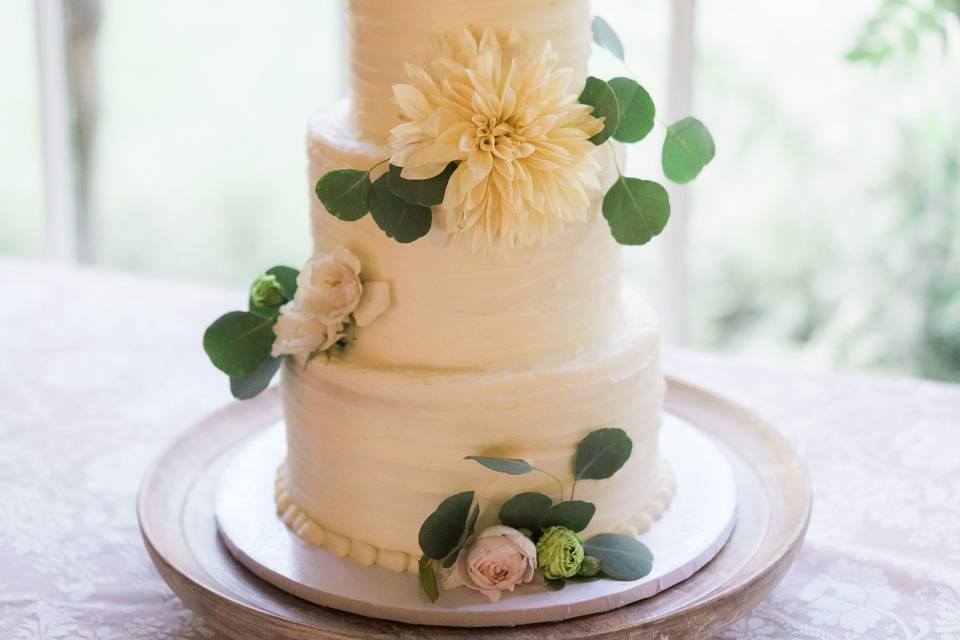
479	164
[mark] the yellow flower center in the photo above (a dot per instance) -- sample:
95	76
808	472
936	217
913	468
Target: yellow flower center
502	139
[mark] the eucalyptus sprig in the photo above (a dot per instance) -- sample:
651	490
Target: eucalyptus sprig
239	342
400	206
514	467
598	456
637	210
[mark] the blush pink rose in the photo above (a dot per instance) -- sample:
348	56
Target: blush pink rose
499	559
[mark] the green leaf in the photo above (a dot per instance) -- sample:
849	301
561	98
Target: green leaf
601	454
238	342
427	192
687	149
270	311
636	110
399	219
513	466
601	97
606	37
525	510
246	387
621	557
345	193
572	514
428	579
556	584
443	529
636	210
467	532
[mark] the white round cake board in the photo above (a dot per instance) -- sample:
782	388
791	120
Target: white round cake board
690	533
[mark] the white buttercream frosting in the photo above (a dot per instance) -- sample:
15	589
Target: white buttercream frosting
386	34
371	452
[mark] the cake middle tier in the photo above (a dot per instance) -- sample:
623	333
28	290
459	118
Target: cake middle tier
454	309
372	452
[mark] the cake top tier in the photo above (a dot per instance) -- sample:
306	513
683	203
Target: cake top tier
386	34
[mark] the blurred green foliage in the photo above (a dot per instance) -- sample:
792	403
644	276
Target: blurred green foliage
864	273
917	313
898	27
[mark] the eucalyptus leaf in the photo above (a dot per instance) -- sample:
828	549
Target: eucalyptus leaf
621	557
467	532
399	219
238	342
572	514
606	37
427	192
687	149
601	97
345	193
246	387
269	311
512	466
442	530
601	454
525	510
636	210
428	579
636	109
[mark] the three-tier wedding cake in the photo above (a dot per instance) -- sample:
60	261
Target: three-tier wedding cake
515	352
461	336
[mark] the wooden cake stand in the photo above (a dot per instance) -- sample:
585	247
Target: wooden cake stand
176	510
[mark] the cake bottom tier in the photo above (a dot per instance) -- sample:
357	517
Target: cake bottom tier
371	453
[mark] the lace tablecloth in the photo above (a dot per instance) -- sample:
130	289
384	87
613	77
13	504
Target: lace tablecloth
100	371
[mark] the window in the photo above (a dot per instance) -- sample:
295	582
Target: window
826	232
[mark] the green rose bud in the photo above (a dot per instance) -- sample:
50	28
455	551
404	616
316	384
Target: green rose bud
266	291
589	568
559	553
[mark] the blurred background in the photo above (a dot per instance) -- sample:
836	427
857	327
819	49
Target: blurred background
826	233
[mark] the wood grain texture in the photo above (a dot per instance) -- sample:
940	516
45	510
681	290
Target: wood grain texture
175	507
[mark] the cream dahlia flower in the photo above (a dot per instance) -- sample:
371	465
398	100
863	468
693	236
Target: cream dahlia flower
507	113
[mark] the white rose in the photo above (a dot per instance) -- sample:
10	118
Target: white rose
328	291
329	287
298	333
499	559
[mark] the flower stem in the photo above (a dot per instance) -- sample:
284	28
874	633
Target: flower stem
555	478
613	152
378	164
